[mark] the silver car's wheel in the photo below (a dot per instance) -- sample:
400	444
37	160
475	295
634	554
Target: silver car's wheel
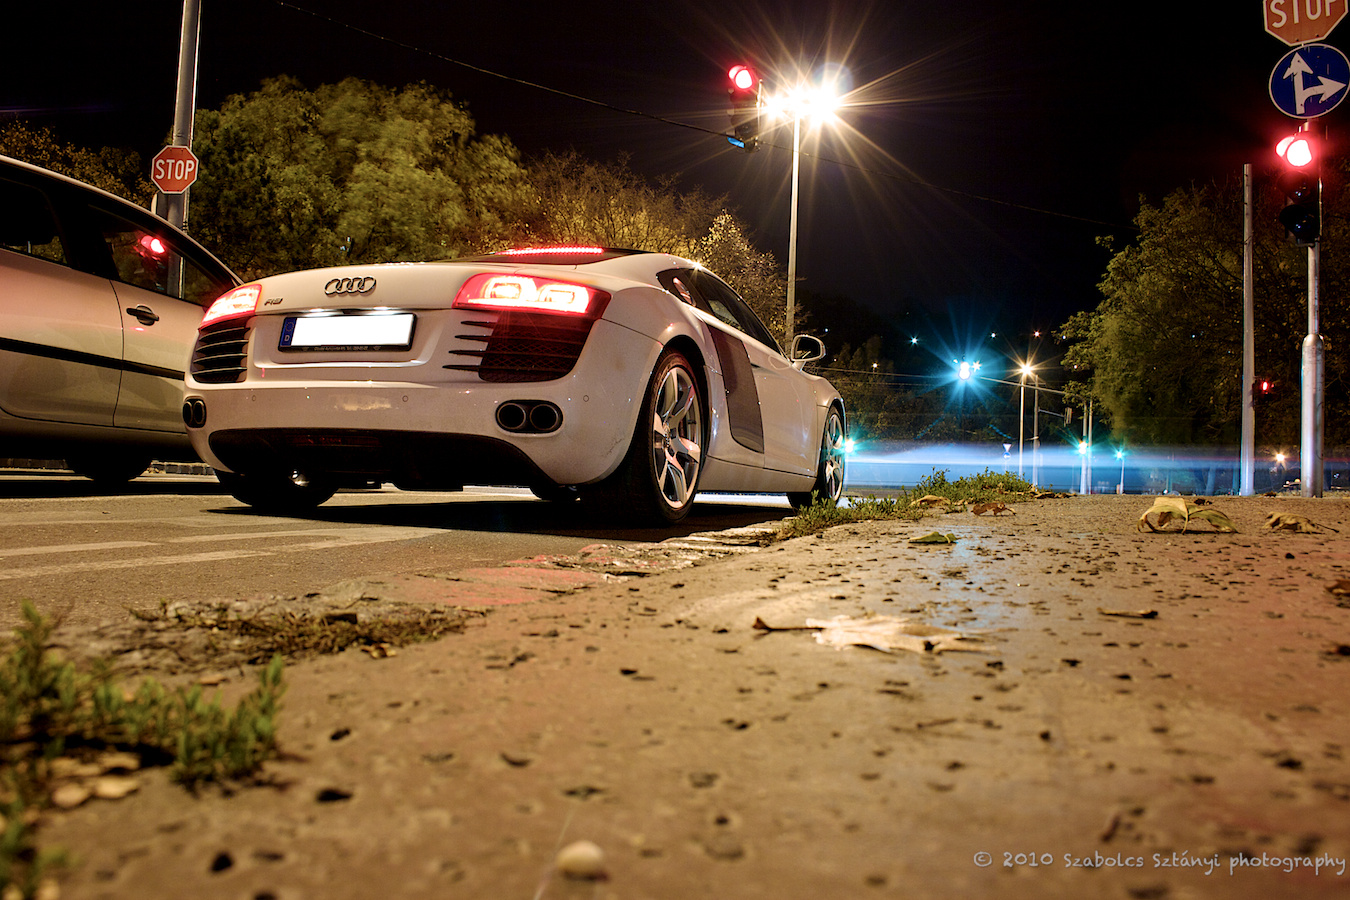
658	479
830	471
677	436
277	492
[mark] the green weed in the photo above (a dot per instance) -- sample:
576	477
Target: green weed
982	488
49	709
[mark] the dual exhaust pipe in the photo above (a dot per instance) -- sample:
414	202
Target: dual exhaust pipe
529	417
194	413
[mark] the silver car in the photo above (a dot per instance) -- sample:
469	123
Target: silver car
633	380
99	306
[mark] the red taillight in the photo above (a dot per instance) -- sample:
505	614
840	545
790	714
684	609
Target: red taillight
532	294
241	301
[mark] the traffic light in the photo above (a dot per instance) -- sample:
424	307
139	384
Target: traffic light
1262	390
1301	182
745	108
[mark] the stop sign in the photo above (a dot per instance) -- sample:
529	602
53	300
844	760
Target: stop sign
173	169
1300	21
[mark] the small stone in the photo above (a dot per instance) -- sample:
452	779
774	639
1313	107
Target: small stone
69	796
115	787
582	860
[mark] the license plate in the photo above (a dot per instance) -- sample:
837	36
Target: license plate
380	331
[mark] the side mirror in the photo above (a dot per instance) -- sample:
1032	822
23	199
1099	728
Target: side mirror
806	349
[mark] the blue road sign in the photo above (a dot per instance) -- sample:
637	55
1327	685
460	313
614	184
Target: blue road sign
1309	81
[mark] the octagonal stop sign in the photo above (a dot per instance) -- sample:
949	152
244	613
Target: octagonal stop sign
173	169
1301	21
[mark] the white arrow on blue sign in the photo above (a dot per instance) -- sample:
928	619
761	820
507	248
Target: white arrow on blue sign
1309	81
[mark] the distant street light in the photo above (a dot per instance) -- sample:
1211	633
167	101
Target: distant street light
1028	370
1120	455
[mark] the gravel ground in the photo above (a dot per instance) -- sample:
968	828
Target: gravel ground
1139	715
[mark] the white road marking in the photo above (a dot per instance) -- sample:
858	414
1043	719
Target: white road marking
335	538
73	548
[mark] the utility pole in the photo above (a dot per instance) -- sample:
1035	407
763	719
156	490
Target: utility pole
1247	455
1314	359
185	104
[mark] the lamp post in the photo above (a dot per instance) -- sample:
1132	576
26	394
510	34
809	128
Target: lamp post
819	103
792	228
1022	415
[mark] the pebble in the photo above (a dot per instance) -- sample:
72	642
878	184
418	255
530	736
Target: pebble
582	860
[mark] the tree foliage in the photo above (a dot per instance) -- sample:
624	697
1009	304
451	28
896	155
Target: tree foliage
1162	352
347	173
114	170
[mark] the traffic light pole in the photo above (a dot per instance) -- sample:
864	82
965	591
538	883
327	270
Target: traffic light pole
1247	452
1311	473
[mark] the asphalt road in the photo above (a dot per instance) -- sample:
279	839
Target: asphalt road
88	555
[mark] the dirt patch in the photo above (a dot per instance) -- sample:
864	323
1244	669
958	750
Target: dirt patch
1198	751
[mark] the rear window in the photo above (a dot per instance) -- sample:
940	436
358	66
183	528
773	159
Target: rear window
26	223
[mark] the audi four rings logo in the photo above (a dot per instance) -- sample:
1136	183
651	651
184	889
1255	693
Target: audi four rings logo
337	286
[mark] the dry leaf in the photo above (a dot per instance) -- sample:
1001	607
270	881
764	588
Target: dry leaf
1296	524
1167	510
884	633
928	501
1341	591
1130	613
381	650
934	537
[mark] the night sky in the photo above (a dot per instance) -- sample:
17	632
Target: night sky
988	145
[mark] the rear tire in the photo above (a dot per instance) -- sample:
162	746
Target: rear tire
555	493
658	478
109	469
830	471
276	492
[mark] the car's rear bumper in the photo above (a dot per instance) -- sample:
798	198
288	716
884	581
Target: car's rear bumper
447	432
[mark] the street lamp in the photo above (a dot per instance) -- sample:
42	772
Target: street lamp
818	103
1029	370
1120	455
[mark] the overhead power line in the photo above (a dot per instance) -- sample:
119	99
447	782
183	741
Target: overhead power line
889	176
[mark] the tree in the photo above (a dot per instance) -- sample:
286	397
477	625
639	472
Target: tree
119	172
1162	353
352	172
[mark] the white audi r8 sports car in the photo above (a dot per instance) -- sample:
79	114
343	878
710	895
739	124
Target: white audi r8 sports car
635	378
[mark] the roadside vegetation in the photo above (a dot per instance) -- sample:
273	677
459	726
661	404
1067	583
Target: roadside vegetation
933	495
67	735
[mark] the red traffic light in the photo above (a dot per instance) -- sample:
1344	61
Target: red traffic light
743	78
1297	149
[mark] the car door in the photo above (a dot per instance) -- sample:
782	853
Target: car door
161	285
60	329
786	405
